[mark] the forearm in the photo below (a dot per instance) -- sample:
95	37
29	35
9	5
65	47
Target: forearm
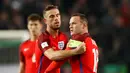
60	54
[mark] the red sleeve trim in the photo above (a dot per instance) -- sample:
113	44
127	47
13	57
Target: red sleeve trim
21	56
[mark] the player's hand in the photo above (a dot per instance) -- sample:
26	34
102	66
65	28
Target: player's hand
81	48
68	44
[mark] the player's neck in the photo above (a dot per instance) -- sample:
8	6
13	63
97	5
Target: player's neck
85	31
54	33
33	37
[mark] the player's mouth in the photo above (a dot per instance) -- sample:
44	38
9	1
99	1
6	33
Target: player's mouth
71	30
56	23
32	30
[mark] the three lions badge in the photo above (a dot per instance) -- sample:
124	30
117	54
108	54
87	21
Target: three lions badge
61	44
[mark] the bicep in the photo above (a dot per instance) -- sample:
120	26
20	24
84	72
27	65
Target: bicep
21	60
21	56
88	43
45	46
21	64
43	43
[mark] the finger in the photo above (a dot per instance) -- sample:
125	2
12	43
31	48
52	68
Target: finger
82	44
84	48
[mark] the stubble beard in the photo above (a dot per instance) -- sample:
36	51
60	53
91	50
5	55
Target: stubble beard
55	28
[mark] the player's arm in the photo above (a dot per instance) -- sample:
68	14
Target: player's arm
61	54
55	65
22	62
21	67
91	45
48	51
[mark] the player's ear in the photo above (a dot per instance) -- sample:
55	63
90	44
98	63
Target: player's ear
27	25
41	25
44	20
83	25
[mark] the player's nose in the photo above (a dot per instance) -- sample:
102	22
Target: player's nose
70	26
33	26
56	18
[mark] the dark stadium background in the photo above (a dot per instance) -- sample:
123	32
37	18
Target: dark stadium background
108	20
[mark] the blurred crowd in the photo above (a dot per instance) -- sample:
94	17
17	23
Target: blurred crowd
13	13
108	20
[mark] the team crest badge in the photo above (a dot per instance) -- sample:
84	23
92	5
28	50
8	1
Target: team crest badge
61	44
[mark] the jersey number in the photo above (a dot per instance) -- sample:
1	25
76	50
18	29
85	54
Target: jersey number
95	52
33	58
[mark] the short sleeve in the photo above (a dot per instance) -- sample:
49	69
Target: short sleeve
88	43
21	56
44	42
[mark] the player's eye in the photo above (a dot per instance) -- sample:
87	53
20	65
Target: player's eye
30	24
51	16
73	23
35	24
57	15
